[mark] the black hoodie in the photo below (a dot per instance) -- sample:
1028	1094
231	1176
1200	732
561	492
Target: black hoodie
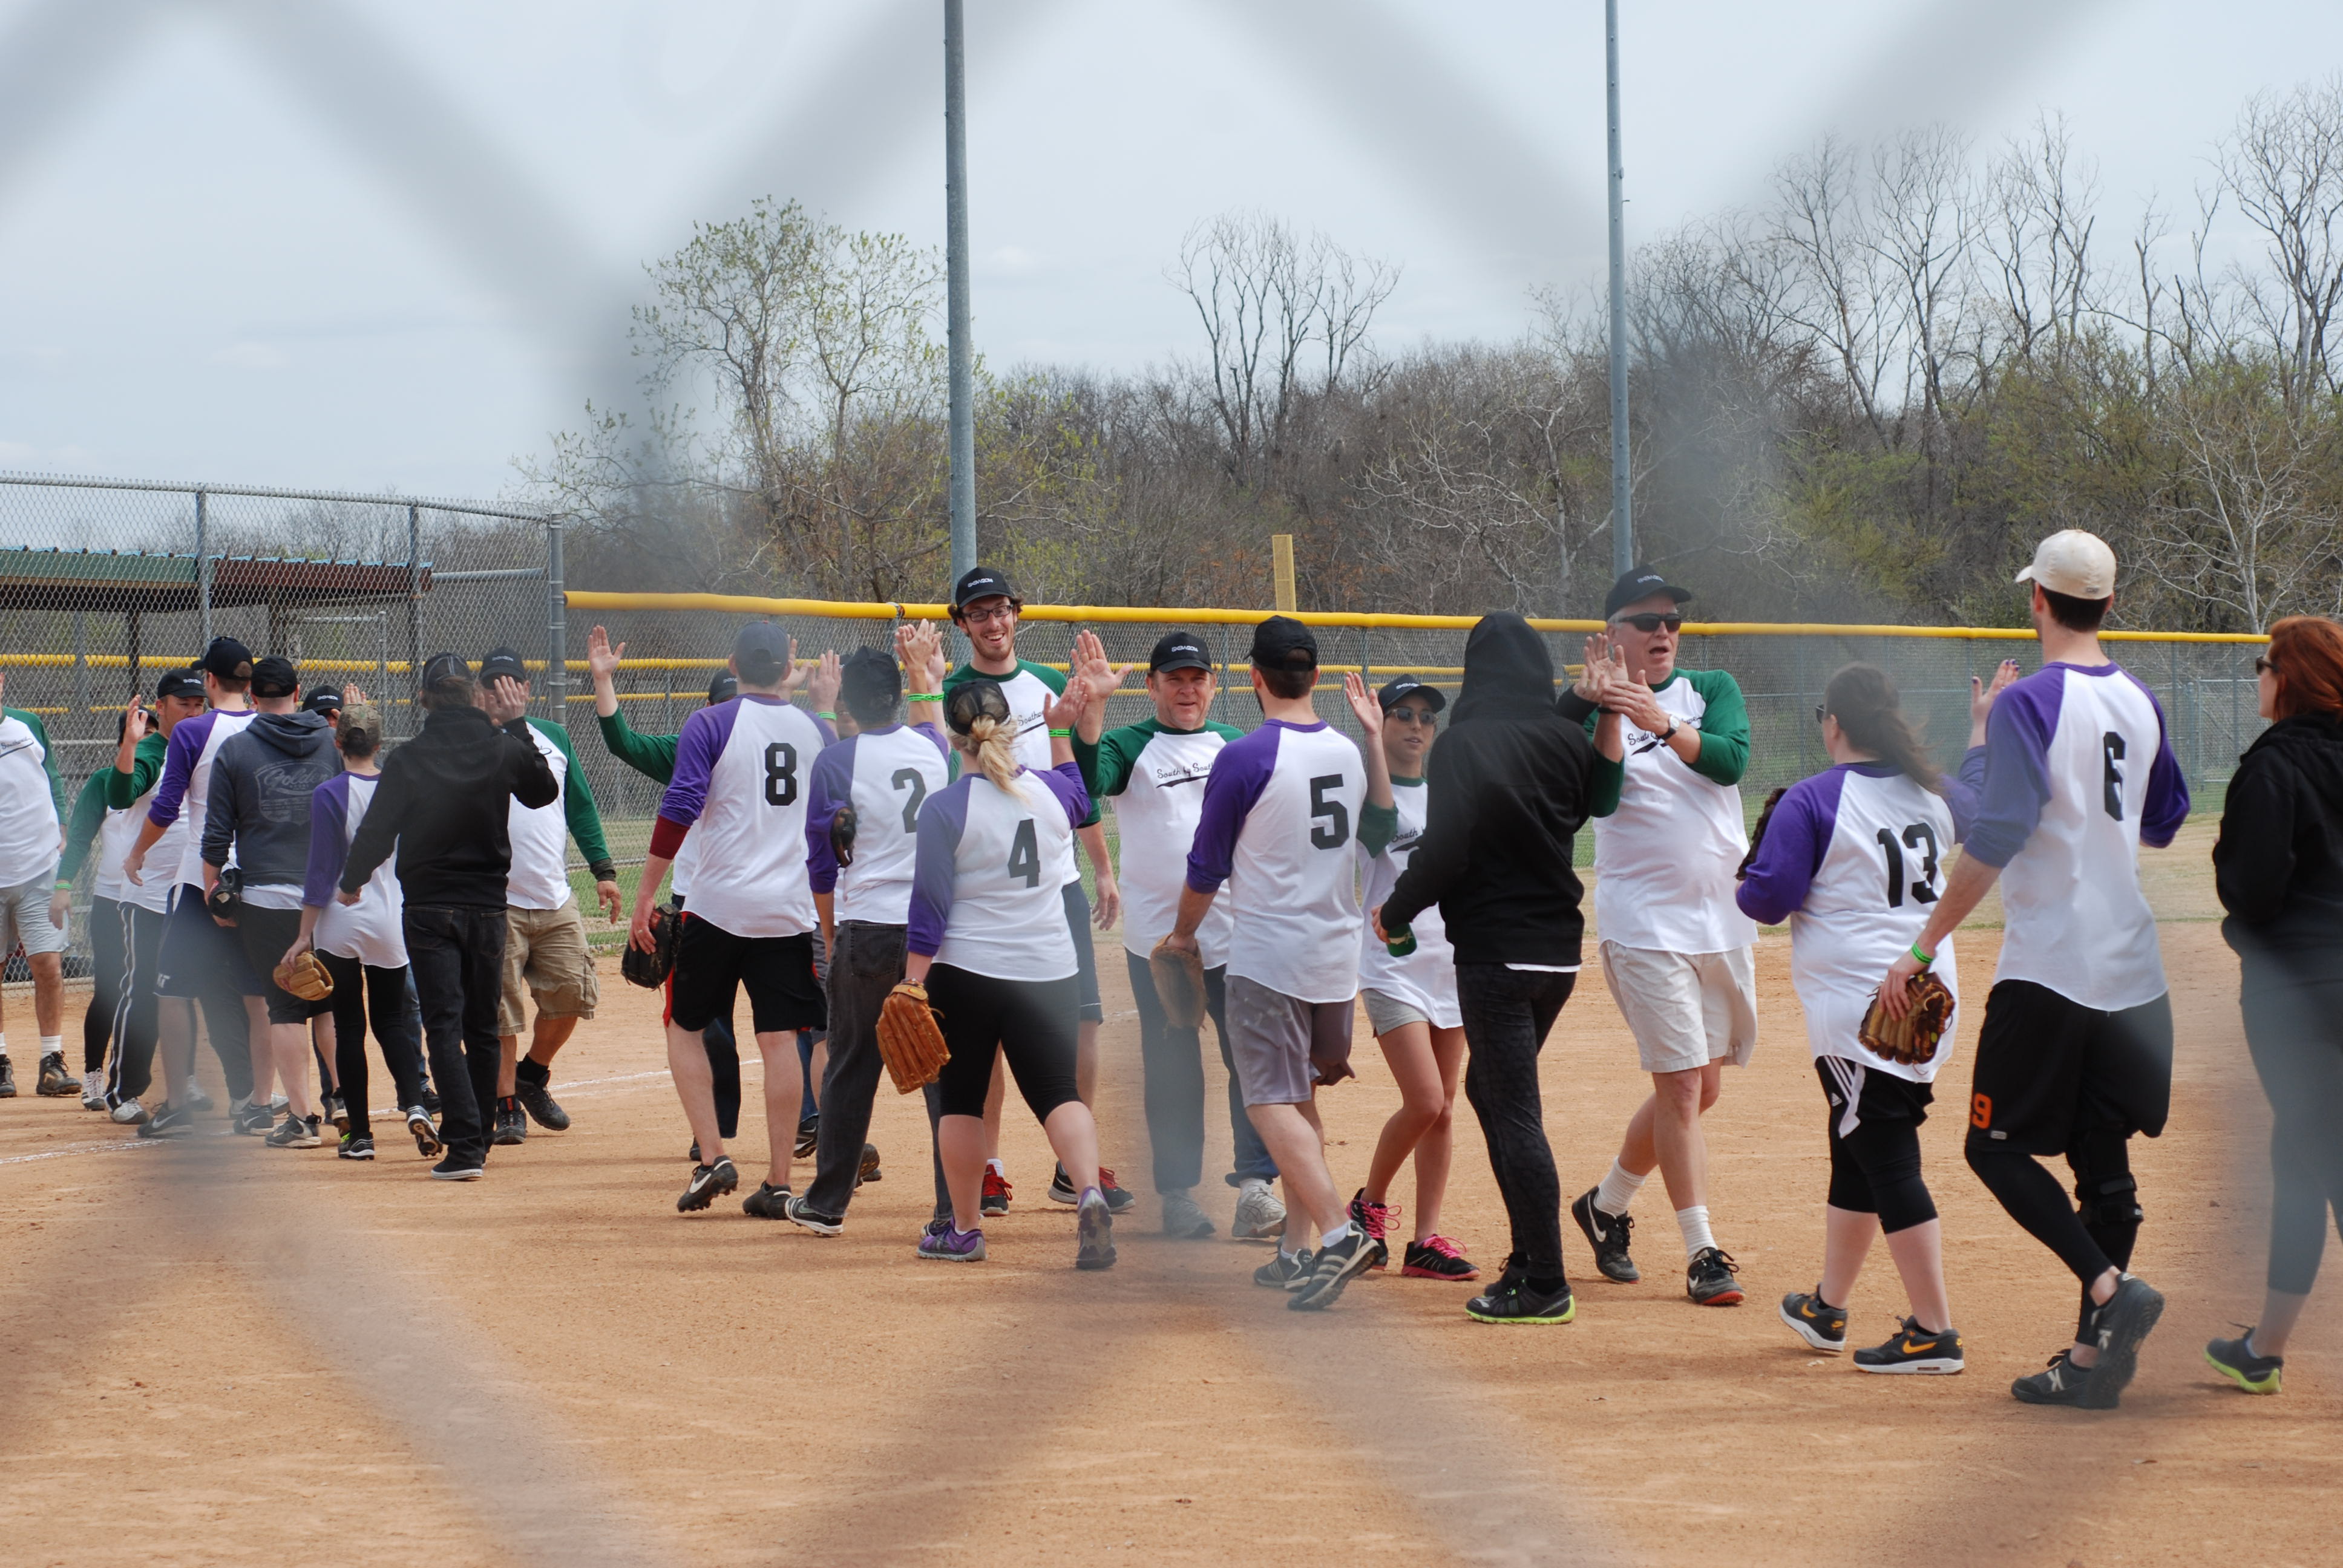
444	803
260	789
1508	788
2278	864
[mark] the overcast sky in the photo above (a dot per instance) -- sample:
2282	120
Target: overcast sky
360	245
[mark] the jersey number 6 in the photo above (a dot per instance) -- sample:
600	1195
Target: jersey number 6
1335	832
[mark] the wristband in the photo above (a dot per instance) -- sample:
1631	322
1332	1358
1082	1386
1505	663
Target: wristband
1926	958
1061	735
817	713
62	886
925	697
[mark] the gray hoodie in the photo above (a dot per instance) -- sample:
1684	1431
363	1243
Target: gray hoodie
259	798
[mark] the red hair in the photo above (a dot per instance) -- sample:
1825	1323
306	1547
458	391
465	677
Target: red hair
2306	657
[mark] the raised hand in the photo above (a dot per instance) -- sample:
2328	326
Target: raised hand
1066	708
795	676
1089	665
824	682
353	695
1363	704
1982	694
920	645
1593	674
601	659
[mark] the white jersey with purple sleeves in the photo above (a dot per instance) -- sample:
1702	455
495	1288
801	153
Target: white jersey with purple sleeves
2078	773
887	776
987	896
1855	860
187	783
1426	979
741	771
1281	809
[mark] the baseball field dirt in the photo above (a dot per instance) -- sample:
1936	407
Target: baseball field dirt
214	1353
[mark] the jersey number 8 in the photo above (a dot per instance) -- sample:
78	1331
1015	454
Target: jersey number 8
781	774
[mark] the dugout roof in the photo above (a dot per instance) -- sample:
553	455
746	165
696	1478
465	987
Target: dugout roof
125	581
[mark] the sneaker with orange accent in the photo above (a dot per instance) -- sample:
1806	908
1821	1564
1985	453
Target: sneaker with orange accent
1913	1349
1375	1220
1438	1258
997	1192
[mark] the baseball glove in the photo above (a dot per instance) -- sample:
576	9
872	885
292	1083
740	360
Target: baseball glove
841	835
1179	984
1914	1038
909	1043
226	900
303	978
649	970
1757	834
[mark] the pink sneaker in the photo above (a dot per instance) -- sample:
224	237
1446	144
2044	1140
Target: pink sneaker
1438	1258
1376	1221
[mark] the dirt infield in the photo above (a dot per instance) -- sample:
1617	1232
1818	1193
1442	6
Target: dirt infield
221	1354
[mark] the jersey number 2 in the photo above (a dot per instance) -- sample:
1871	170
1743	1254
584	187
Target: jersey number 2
1025	856
781	774
909	779
1334	832
1924	886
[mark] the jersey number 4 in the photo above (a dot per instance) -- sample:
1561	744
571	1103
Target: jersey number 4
1916	836
781	774
1025	854
1335	831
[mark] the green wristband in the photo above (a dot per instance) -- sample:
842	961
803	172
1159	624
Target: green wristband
925	697
1061	735
1924	958
819	714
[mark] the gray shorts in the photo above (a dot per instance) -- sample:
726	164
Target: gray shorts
1283	1046
1685	1010
24	918
1386	1012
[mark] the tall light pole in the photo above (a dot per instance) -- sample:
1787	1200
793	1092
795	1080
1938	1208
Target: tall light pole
959	347
1623	478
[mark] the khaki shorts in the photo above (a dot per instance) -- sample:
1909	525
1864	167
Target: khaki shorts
1685	1010
546	956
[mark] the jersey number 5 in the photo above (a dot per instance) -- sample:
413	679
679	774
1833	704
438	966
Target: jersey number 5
1924	887
1025	856
781	774
1335	831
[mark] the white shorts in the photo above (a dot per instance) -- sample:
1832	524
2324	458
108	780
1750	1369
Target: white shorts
24	918
1685	1010
1386	1012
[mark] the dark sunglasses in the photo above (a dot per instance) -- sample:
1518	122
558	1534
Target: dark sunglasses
1652	620
1821	713
1413	715
2262	666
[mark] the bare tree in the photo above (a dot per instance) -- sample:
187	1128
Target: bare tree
2283	169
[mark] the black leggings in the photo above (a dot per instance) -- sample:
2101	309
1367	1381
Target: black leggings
1876	1163
1031	1023
360	991
2097	1232
2295	1035
106	946
1507	1013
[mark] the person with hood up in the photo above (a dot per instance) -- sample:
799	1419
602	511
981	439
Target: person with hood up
1507	790
259	822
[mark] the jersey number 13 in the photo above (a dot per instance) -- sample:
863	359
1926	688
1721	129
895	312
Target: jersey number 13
1916	836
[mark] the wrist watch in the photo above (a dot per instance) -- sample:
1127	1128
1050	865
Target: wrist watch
1669	734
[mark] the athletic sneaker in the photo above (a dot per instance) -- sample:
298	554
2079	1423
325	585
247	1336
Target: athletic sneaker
1333	1268
1513	1300
1285	1272
55	1082
171	1122
798	1211
419	1128
431	1101
541	1107
197	1100
767	1203
997	1192
295	1132
1094	1231
1608	1234
2062	1383
1814	1321
279	1104
2235	1360
338	1113
251	1120
1708	1279
1061	1191
1375	1220
129	1114
2123	1322
869	1169
1437	1257
1911	1349
1184	1218
693	1157
459	1167
942	1242
93	1093
708	1184
1260	1216
809	1135
7	1078
354	1148
511	1126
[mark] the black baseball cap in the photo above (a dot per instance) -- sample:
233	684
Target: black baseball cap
723	689
1640	584
323	699
441	667
179	683
503	664
761	648
980	582
1179	650
275	676
1408	686
1281	642
974	699
227	658
869	681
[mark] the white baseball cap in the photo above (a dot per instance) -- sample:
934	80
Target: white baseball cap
2074	563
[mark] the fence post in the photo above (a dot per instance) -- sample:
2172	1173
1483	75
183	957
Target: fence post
414	602
557	626
203	564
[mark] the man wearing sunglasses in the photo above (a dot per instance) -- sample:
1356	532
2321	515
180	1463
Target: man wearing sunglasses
1671	745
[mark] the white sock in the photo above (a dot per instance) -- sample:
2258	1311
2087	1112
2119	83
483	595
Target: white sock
4	1044
1693	1223
1334	1237
1618	1190
998	1168
1285	1251
52	1045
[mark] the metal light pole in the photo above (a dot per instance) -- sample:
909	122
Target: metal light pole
959	352
1623	478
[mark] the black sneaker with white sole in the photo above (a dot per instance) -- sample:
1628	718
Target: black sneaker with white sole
1708	1279
1815	1321
809	1136
1285	1272
1118	1198
295	1132
56	1084
1913	1349
459	1167
1607	1235
1513	1300
2124	1320
2061	1382
171	1122
252	1120
7	1078
511	1126
419	1128
708	1184
798	1211
767	1203
1333	1268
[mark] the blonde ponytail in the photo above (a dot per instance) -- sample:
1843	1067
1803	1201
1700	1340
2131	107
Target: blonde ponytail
992	742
